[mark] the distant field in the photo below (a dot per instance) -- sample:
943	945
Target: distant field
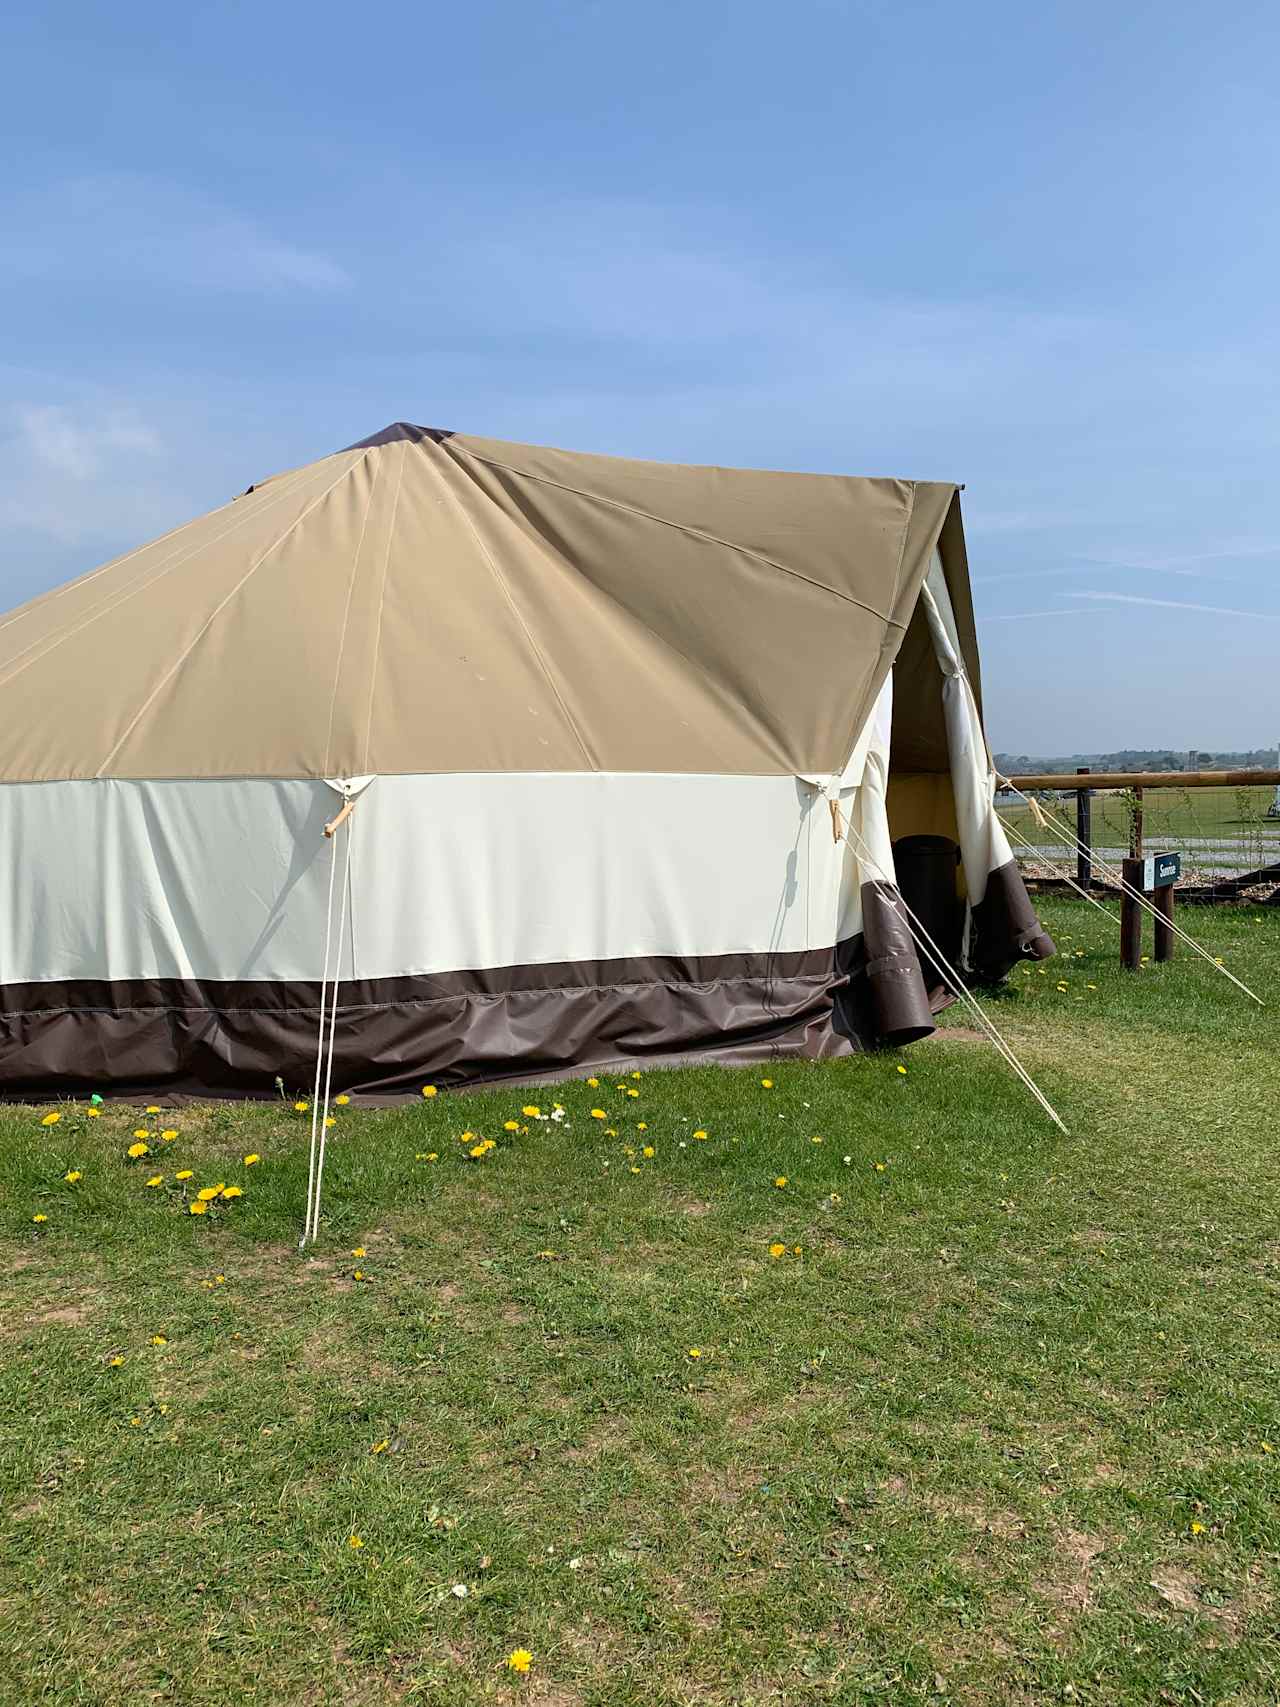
1216	829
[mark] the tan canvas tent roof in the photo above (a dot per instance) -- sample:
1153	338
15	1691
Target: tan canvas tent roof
434	602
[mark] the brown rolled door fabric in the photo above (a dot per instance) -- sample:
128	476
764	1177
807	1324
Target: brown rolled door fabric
900	1001
1005	927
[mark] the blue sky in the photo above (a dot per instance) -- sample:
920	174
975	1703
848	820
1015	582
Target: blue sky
1035	249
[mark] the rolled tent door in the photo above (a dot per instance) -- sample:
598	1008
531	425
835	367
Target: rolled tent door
1003	927
899	1002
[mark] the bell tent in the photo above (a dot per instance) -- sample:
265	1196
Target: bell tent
634	763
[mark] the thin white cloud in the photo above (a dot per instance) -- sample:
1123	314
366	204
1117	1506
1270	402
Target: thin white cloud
1079	569
78	444
1175	604
1026	615
1173	564
153	234
74	473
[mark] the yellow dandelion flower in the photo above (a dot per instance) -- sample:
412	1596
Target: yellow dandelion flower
511	1126
635	1170
429	1091
815	1140
355	1543
519	1659
115	1362
93	1113
359	1251
154	1108
342	1101
252	1159
169	1134
767	1083
233	1191
301	1107
642	1125
902	1069
329	1120
379	1446
598	1114
796	1250
531	1111
635	1075
594	1084
135	1422
207	1193
879	1167
776	1251
51	1120
699	1133
781	1182
648	1150
184	1173
138	1149
157	1179
141	1132
359	1274
158	1339
72	1175
695	1351
1266	1446
219	1280
197	1208
631	1093
1197	1528
433	1155
39	1217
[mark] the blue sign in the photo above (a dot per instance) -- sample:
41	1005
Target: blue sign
1159	870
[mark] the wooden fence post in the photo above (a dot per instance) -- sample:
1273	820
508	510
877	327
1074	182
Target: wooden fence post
1163	900
1131	916
1084	831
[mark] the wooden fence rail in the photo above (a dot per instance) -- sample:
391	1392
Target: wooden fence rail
1145	779
1083	783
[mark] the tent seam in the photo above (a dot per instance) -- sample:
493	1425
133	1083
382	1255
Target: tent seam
869	701
681	527
346	616
730	704
139	585
105	568
515	611
215	614
902	546
382	598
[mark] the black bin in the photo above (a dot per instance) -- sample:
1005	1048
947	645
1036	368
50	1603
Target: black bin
927	867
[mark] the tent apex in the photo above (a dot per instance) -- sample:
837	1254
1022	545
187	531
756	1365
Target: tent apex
401	430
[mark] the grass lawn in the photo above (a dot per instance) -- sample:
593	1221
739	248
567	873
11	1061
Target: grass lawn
977	1413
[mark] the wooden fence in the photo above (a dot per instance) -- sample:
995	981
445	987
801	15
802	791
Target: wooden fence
1135	783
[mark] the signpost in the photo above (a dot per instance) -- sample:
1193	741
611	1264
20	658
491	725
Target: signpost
1155	875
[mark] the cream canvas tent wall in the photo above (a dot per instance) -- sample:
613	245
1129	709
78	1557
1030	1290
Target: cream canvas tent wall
602	722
